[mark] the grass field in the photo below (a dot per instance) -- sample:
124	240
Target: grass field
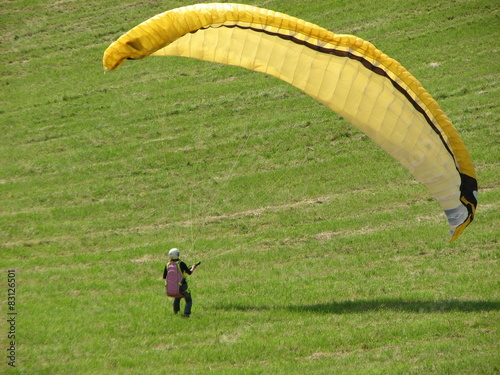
321	254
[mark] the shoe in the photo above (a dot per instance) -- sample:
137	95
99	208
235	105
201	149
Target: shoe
185	316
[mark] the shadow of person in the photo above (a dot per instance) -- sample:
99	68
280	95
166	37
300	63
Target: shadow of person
361	306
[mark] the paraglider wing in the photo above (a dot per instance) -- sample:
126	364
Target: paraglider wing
347	74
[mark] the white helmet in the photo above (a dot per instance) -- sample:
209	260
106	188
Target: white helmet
174	254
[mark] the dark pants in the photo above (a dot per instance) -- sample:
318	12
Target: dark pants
187	297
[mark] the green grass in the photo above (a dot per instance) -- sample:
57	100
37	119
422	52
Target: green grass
320	253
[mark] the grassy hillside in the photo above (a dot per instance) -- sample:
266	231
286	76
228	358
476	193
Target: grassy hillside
321	254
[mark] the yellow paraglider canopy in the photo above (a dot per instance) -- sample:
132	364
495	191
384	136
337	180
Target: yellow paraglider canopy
347	74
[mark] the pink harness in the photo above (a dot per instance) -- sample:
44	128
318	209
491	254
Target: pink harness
174	280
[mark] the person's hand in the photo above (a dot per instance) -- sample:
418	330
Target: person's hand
193	267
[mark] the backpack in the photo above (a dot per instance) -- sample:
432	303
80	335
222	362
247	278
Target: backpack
174	280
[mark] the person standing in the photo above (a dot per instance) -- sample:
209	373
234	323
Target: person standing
183	269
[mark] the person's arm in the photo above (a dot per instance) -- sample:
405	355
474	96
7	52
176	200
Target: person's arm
185	269
165	273
193	267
